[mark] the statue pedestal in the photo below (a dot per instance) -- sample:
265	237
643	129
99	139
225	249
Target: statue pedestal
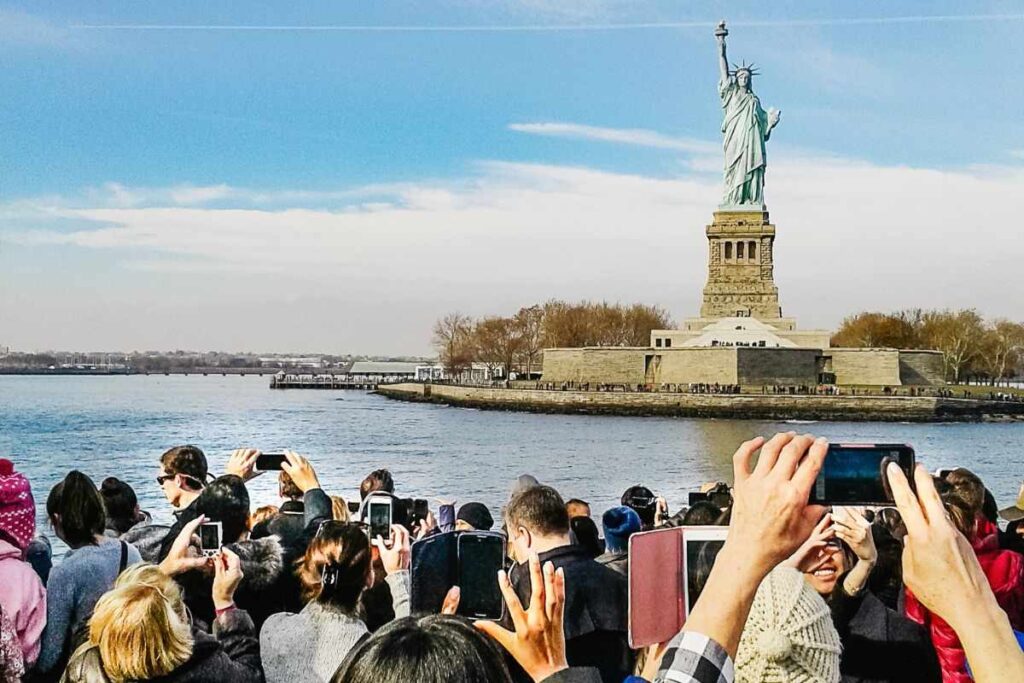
741	282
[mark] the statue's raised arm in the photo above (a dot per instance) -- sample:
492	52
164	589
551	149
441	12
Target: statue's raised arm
723	63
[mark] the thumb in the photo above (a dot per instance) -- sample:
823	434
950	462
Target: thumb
503	636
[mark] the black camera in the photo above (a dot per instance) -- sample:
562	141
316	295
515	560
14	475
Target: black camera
719	496
410	511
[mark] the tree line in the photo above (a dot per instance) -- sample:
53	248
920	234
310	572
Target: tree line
973	349
515	343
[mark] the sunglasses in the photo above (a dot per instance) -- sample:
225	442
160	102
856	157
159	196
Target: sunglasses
191	481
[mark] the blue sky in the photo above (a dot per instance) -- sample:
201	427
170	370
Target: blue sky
169	187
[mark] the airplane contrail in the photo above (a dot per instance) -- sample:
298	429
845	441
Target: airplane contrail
539	28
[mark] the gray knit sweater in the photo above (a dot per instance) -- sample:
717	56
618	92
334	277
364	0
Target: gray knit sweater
310	645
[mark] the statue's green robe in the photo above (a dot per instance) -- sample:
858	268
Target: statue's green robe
744	128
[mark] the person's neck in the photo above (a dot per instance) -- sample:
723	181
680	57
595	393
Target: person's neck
186	499
543	544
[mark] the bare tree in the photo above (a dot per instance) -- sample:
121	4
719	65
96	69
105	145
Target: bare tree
1002	348
958	335
452	339
497	342
530	322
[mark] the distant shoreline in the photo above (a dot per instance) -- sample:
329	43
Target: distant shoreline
843	408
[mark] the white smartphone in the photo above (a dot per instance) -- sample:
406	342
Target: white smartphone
211	537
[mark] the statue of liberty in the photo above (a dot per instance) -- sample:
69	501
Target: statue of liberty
745	129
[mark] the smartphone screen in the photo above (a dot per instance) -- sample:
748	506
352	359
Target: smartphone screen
380	518
481	557
854	474
700	548
268	462
210	537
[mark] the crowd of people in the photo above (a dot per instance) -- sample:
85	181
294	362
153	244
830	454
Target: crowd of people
927	589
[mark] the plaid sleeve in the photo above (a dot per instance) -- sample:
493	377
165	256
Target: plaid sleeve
695	658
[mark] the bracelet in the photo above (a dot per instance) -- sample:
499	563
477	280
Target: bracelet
223	610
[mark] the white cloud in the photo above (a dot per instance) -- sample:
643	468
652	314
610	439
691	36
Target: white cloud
851	236
628	136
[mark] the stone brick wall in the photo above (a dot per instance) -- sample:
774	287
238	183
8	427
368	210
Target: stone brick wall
777	366
595	365
880	367
697	365
921	368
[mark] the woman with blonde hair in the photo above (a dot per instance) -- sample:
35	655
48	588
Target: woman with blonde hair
141	631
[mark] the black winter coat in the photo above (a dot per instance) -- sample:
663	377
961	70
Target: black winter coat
596	612
879	644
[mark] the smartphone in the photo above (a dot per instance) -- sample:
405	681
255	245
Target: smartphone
481	556
434	568
379	512
854	474
667	572
210	538
270	462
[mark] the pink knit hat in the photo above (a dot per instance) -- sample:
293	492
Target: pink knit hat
17	508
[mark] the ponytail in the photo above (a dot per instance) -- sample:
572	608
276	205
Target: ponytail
76	510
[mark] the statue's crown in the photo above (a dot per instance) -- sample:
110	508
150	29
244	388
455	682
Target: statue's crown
749	68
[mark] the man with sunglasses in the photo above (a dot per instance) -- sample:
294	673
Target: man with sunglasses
183	475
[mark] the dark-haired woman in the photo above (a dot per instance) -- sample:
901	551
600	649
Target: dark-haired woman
880	645
88	570
310	645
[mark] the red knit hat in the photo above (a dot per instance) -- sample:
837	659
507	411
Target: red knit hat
17	508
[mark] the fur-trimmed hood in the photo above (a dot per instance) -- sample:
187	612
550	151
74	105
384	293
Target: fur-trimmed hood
262	561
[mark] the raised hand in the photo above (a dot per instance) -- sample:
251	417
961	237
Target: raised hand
770	514
538	642
808	552
242	463
227	577
851	526
770	520
300	470
182	556
396	555
940	567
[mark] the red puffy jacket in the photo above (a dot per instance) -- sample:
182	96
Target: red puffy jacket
1005	572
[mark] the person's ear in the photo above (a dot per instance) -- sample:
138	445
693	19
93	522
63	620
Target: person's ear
525	537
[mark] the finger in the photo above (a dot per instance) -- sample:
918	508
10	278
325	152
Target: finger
558	604
807	472
906	501
190	529
503	636
742	457
231	560
549	591
536	585
515	607
379	542
931	503
451	601
823	526
791	456
290	463
771	451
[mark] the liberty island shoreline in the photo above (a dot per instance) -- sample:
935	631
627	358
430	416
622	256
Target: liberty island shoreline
733	406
